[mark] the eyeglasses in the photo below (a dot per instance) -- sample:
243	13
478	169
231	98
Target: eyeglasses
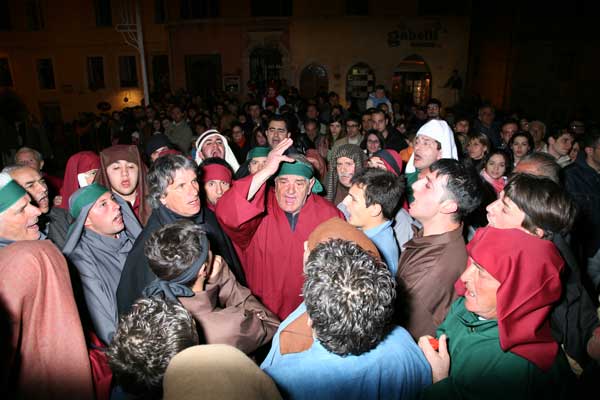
352	126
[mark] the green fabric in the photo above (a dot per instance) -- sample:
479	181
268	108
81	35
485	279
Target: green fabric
258	152
10	194
480	369
300	169
87	195
410	179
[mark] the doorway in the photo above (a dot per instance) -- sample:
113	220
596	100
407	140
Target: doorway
203	75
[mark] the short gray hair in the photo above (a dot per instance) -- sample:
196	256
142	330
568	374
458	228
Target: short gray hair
349	296
146	340
162	174
38	156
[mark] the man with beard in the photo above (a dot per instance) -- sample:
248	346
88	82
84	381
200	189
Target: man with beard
174	195
345	161
212	144
99	240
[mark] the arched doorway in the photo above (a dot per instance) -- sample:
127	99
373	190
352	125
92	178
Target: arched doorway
411	83
313	80
360	81
265	67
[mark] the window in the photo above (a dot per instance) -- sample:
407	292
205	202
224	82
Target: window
275	8
34	18
103	13
4	16
265	67
357	7
160	73
128	71
360	81
5	76
313	80
45	72
197	9
95	71
160	14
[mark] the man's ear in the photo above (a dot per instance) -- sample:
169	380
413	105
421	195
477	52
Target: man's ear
551	141
163	200
41	165
539	232
289	134
589	151
449	206
375	210
88	222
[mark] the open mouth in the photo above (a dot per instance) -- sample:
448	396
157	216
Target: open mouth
34	226
118	219
194	202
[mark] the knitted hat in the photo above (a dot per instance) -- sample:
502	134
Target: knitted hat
391	159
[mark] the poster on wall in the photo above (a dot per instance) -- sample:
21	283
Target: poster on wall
231	83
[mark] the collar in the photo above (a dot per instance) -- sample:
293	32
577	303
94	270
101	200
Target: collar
434	240
378	229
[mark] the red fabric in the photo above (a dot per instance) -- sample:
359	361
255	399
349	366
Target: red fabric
44	352
216	172
101	372
169	151
497	184
128	153
78	163
528	269
270	252
318	163
396	156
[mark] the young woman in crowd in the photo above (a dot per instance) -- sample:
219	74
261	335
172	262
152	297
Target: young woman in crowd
521	144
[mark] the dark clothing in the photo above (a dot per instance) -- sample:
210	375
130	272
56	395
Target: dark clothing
492	132
582	182
240	153
395	140
574	315
137	274
58	225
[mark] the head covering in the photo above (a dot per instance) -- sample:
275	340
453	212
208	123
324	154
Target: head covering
221	371
528	269
258	152
391	159
176	287
128	153
216	172
156	142
79	163
353	152
301	169
439	130
337	228
10	194
229	156
45	349
80	204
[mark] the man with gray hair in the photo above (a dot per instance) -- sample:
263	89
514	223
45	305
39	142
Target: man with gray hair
351	349
173	194
539	164
146	340
18	217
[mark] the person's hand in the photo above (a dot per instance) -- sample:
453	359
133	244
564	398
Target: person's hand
57	201
217	265
276	157
439	360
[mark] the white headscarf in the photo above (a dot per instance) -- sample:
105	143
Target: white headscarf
229	156
439	130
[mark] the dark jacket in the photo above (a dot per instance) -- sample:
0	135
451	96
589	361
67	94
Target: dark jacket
136	273
395	140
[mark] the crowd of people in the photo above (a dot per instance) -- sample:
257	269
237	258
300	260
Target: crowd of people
292	248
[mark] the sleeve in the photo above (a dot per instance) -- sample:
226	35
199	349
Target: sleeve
239	217
102	310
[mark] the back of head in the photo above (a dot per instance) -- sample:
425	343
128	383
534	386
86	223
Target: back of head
463	185
545	204
146	340
349	297
173	248
539	164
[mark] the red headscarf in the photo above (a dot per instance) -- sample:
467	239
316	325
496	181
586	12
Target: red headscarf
216	172
528	269
78	163
130	153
